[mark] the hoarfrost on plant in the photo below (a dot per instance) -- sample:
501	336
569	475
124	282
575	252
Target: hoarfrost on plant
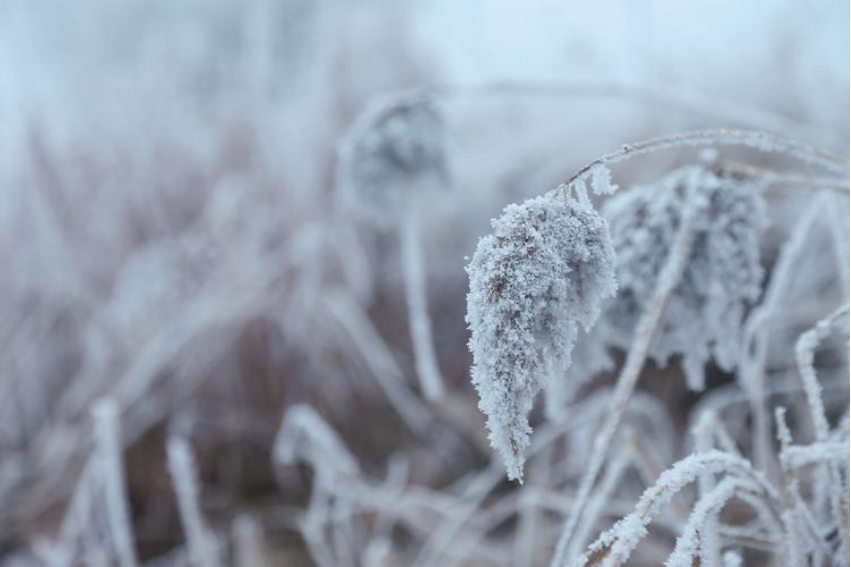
545	269
393	155
722	276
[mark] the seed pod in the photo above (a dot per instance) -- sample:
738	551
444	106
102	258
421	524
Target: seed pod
722	274
544	270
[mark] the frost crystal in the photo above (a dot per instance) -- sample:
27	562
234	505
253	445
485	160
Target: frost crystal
393	152
722	275
545	269
601	181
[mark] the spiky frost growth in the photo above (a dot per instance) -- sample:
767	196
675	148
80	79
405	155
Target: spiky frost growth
544	270
393	154
722	275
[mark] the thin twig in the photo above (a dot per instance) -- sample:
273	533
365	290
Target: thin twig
827	183
762	141
110	451
199	538
415	292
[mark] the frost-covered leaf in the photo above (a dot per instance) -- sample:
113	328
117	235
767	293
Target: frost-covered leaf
722	275
544	270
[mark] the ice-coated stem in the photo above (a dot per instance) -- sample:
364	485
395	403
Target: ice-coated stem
413	273
756	339
110	451
668	279
200	540
805	349
761	141
380	360
614	547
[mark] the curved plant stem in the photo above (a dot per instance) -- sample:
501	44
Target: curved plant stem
609	482
668	279
667	98
377	356
804	355
110	452
200	540
418	319
827	183
614	547
762	141
756	336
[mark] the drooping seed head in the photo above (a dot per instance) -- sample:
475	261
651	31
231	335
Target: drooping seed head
393	154
544	271
722	276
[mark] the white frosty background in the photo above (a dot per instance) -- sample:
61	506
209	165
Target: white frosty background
172	241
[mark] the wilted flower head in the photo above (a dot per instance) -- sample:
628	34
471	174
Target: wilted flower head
722	275
393	153
544	270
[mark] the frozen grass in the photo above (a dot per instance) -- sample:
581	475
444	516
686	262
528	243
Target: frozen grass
234	330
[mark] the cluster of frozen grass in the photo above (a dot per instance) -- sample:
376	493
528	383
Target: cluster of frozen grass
234	328
670	271
689	272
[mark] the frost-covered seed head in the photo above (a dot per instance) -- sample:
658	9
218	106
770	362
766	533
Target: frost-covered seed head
545	269
721	278
392	154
